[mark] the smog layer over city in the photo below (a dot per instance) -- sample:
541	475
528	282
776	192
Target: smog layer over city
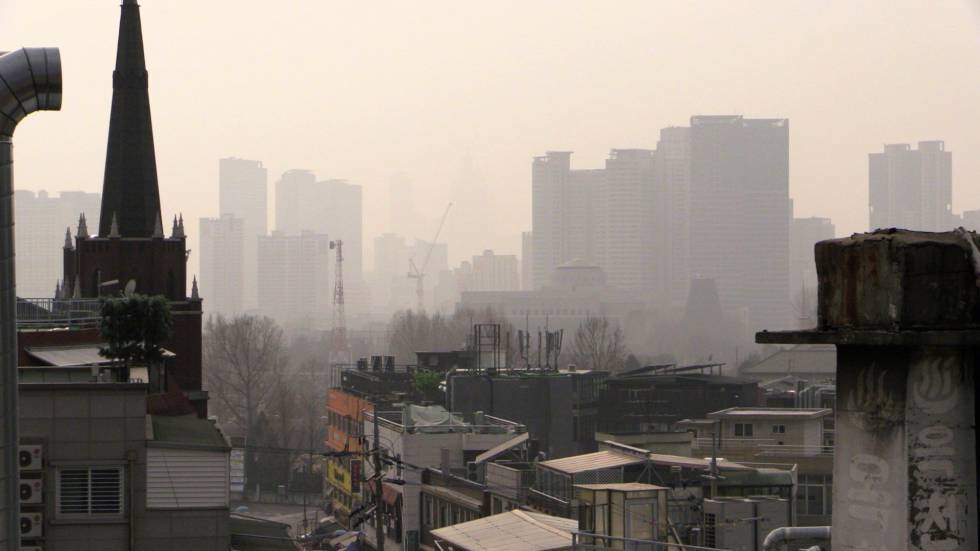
488	276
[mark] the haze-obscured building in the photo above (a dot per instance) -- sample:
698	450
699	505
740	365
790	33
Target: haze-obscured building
527	262
222	255
971	220
625	240
295	288
740	212
576	291
911	188
804	233
243	193
562	213
673	211
41	224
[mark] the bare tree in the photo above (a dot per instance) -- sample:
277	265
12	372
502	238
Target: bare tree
244	364
599	345
410	332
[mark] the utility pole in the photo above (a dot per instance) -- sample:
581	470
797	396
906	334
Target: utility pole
379	531
309	458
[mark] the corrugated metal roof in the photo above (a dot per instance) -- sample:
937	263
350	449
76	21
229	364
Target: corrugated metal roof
452	495
622	487
695	463
75	355
510	531
803	358
502	447
591	462
770	413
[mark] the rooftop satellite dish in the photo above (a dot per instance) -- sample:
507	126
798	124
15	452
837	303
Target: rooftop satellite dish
130	289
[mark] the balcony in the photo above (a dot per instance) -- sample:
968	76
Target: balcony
763	447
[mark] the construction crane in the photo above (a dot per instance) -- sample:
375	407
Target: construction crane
418	272
339	349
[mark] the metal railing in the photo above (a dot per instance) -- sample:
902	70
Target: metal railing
458	423
586	541
767	447
47	312
793	450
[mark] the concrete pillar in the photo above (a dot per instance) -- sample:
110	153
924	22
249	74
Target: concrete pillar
903	309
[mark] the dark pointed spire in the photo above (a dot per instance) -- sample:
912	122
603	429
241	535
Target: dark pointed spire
114	227
82	226
68	244
130	186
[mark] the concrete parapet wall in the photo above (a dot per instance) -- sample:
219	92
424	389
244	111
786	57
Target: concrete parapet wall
897	279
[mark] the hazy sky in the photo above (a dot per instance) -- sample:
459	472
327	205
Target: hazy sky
370	90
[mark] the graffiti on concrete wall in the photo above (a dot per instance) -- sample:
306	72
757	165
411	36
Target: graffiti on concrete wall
940	505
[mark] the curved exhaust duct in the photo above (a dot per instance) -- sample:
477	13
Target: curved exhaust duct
30	80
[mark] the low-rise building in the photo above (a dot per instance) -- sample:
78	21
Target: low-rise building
448	499
345	432
559	408
106	474
417	437
778	436
646	401
688	479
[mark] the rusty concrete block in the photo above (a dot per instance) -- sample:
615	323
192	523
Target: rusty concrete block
897	279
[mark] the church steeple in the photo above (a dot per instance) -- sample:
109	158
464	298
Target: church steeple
130	188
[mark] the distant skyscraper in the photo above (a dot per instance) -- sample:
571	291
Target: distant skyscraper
41	224
222	252
296	206
624	244
294	284
341	211
804	233
243	193
911	189
739	222
494	272
562	213
390	272
673	211
332	207
527	255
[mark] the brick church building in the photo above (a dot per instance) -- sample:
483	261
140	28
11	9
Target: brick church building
129	252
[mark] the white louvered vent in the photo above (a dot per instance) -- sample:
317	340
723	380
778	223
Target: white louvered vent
186	479
90	492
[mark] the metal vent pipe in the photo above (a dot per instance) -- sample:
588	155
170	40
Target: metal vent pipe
30	80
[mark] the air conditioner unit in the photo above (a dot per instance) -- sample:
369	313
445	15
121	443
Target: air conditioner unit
29	457
31	491
31	525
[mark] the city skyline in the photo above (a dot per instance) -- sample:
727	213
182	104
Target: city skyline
330	141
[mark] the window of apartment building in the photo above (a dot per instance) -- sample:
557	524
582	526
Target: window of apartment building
709	530
814	494
89	492
779	429
427	510
743	429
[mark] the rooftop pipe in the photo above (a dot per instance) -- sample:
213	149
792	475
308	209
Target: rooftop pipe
30	80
